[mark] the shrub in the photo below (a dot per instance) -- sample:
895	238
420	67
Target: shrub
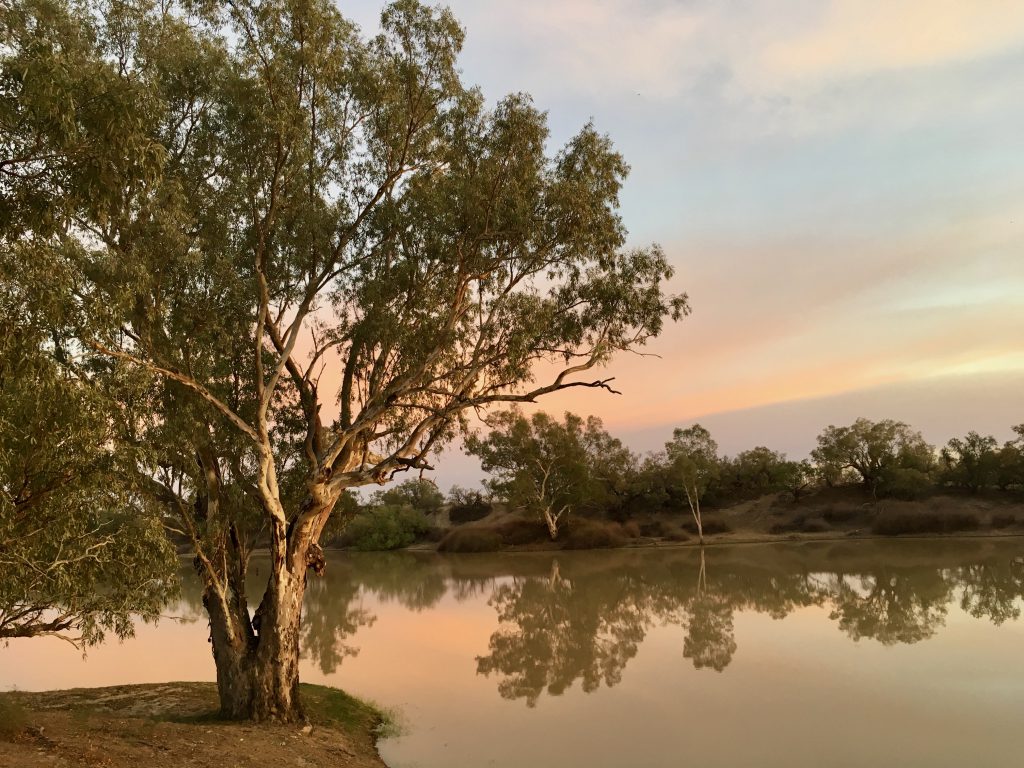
656	528
676	534
432	534
470	540
13	719
589	534
418	493
815	525
905	483
466	506
520	531
1003	520
631	530
711	526
789	526
924	522
386	527
842	514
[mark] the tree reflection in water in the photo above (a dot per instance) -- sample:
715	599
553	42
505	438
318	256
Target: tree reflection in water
581	617
557	630
589	622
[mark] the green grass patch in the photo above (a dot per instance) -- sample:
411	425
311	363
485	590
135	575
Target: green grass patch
331	707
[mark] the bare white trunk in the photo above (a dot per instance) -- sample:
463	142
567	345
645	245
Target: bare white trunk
693	498
551	520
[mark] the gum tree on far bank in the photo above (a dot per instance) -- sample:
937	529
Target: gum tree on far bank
694	464
268	215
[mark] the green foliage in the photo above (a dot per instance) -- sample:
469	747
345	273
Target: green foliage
971	462
907	483
1010	471
758	472
693	458
419	494
551	468
466	506
221	199
385	527
82	550
875	451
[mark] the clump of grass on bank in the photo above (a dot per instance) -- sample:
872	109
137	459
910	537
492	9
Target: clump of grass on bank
471	540
592	534
800	524
13	718
519	532
919	522
333	708
710	526
1003	521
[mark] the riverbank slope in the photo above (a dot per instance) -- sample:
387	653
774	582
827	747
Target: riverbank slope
168	725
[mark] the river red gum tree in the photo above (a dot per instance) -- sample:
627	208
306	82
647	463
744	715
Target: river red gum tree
314	197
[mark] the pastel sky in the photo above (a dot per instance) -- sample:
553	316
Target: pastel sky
839	183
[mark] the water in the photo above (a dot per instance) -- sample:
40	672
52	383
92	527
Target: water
907	653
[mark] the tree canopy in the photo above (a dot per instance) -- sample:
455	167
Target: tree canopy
549	467
83	552
882	454
233	198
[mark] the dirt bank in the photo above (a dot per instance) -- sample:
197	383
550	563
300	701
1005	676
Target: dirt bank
175	724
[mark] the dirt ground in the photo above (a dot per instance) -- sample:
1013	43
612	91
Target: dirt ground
174	724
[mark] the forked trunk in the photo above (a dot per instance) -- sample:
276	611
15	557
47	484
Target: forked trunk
258	661
551	520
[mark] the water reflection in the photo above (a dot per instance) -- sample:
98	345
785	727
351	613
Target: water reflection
580	618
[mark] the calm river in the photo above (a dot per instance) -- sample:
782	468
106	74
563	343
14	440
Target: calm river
907	653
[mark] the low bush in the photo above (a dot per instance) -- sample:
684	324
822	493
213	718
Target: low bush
631	530
13	718
386	527
433	534
517	532
471	540
904	483
800	524
676	534
590	534
656	528
894	524
842	513
1003	520
815	525
711	526
469	511
466	506
789	526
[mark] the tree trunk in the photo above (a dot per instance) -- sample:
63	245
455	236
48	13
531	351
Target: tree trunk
694	501
258	674
257	659
552	524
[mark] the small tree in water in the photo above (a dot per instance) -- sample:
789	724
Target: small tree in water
240	195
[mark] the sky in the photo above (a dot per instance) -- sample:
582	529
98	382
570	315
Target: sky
838	184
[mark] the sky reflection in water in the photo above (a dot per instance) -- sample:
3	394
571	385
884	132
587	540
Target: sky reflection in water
647	657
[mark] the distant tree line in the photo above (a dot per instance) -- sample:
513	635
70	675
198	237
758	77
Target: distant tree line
557	470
